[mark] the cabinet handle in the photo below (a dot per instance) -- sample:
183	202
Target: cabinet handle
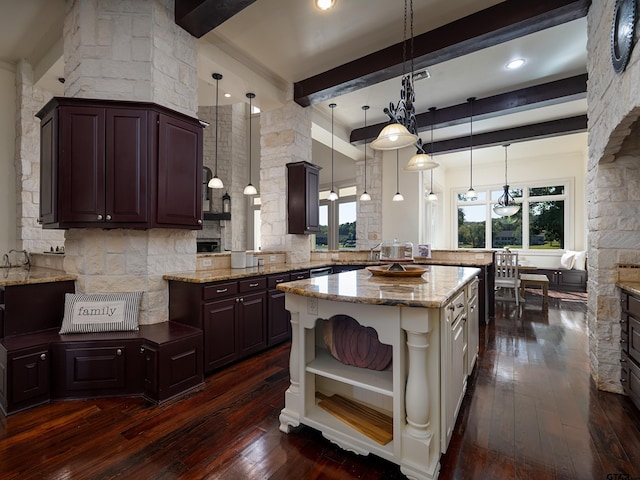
279	280
460	305
43	356
451	307
119	352
108	217
141	349
99	217
242	300
221	290
473	307
253	285
622	360
199	221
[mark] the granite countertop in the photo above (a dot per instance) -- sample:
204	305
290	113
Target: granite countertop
220	274
22	276
631	287
431	290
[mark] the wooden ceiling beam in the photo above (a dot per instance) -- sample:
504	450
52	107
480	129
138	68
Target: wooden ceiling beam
199	17
497	24
529	98
553	128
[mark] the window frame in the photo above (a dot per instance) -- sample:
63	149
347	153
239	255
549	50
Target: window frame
332	220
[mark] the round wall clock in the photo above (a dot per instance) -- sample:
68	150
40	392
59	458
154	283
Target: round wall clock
622	33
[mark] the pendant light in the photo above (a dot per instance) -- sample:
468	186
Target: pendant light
215	182
401	131
506	205
471	193
333	196
250	189
398	196
365	197
422	161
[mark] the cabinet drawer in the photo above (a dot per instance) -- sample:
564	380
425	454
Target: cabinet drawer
457	305
219	290
252	284
634	307
300	275
630	379
274	280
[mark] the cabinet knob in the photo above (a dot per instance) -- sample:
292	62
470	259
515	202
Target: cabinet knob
99	217
623	380
108	217
43	356
141	349
199	221
237	300
622	360
451	307
242	300
119	352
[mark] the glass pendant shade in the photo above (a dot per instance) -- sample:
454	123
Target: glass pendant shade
432	197
393	137
250	190
333	196
471	194
506	205
420	161
365	197
506	210
398	197
215	182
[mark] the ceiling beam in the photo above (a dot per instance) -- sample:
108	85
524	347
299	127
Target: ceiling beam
529	98
199	17
553	128
500	23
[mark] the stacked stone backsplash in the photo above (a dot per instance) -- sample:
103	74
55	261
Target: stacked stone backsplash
123	50
629	273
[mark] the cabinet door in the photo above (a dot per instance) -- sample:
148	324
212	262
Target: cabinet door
279	328
252	323
150	370
126	166
48	169
179	170
313	200
571	280
29	378
303	198
473	327
219	329
81	167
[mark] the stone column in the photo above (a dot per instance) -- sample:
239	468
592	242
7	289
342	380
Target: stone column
285	137
30	99
369	214
123	50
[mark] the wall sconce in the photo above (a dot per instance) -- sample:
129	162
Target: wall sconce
226	203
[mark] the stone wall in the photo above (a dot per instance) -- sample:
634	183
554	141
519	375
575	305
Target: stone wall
612	190
369	213
285	137
29	100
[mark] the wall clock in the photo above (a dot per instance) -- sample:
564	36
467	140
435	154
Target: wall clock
622	33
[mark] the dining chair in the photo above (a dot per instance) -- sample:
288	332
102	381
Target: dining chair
507	277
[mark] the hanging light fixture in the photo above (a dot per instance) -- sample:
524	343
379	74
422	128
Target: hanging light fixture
250	189
506	205
398	196
215	181
401	130
471	193
365	197
333	196
432	197
422	161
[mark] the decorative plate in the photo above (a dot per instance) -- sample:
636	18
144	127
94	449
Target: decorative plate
622	33
409	271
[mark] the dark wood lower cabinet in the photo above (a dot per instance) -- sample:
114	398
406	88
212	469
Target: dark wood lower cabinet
220	332
630	342
158	362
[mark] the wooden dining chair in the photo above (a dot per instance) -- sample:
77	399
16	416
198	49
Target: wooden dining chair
507	277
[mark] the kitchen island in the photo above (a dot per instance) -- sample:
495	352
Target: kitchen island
405	412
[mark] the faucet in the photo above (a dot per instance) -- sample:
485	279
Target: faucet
26	263
371	257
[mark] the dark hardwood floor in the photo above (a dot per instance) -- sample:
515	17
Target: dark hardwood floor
531	412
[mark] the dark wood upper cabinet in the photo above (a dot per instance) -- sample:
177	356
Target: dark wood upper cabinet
116	164
303	197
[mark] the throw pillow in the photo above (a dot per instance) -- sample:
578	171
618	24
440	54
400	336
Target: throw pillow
580	261
567	259
101	312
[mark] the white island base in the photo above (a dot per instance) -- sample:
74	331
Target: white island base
434	349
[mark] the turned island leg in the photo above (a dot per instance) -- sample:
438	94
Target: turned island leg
290	414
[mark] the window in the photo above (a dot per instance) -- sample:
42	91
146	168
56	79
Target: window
539	224
337	221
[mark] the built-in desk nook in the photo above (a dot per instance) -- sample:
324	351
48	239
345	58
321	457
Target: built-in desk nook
405	411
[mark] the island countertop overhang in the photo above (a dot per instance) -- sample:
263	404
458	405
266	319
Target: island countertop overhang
438	285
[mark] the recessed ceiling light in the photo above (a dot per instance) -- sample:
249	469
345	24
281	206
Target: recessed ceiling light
325	4
515	64
228	95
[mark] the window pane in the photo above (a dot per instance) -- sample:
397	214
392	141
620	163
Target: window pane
515	193
322	239
540	191
482	196
347	225
471	226
257	222
347	191
506	231
546	224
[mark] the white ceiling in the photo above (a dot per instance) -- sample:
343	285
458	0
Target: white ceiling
273	43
